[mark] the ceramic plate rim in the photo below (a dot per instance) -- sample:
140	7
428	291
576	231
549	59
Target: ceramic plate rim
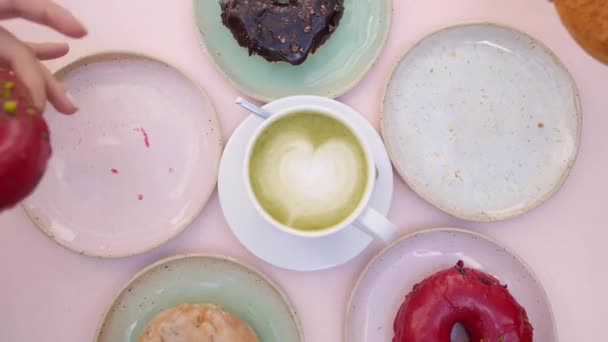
218	257
334	93
480	236
412	183
113	55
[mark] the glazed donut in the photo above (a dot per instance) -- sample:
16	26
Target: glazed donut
587	21
461	295
24	141
197	323
282	30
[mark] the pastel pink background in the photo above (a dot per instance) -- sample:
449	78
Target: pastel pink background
50	294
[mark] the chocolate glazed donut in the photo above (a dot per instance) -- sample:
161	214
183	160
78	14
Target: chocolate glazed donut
282	30
461	295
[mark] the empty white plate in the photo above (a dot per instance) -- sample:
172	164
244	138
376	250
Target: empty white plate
391	275
135	165
482	121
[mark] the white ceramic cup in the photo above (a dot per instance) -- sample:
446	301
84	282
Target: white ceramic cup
363	217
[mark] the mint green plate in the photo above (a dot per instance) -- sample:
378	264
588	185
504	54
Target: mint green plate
199	279
333	70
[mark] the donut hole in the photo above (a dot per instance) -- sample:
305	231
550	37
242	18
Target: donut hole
459	334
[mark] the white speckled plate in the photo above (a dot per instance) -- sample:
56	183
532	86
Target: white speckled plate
135	165
482	121
390	276
200	279
333	70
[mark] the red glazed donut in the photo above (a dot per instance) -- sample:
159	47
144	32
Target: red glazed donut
461	295
24	142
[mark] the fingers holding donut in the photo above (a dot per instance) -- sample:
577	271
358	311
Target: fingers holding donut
19	58
47	51
24	58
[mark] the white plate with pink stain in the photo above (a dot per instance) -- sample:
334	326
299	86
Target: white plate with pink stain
135	165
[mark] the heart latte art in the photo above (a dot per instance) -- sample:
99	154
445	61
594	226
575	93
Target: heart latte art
308	171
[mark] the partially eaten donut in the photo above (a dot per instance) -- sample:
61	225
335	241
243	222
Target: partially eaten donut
461	295
282	30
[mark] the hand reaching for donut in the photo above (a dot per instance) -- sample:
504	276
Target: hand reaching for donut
24	58
25	86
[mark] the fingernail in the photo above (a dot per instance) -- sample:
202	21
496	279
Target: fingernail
72	99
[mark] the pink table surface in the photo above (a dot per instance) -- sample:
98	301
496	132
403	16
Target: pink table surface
50	294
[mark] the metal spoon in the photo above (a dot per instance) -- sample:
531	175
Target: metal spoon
253	108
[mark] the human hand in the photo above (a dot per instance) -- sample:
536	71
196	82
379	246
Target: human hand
24	58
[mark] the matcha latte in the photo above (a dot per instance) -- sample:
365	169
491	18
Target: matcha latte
308	171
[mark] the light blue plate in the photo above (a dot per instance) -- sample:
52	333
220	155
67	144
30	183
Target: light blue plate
200	279
333	70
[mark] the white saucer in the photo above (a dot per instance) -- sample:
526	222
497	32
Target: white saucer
482	121
135	165
391	275
279	248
